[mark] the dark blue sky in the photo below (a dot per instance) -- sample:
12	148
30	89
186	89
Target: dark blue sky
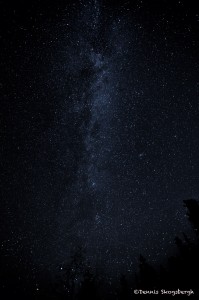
99	135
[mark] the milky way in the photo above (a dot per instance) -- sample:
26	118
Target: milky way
93	194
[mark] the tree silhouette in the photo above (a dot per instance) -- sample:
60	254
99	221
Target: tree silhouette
147	274
182	270
124	288
193	213
77	280
88	288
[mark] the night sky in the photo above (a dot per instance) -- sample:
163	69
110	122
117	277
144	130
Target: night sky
99	133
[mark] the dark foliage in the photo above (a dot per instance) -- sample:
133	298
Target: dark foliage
182	269
77	281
